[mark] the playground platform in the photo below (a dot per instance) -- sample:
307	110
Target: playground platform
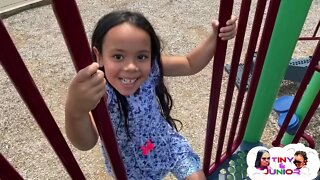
11	7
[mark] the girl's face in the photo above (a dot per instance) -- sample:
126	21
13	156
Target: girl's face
126	57
265	159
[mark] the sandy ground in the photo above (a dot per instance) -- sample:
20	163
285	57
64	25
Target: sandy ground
181	24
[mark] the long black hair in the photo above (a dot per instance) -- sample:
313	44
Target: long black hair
137	19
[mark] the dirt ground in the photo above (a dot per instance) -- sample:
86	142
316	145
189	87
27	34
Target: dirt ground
181	24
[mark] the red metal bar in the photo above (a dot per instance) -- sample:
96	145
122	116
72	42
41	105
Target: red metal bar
216	165
316	30
307	119
71	25
219	59
307	77
7	171
269	24
309	38
247	67
309	139
243	20
265	39
22	80
313	37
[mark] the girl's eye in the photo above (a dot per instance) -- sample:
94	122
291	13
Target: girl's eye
118	57
142	57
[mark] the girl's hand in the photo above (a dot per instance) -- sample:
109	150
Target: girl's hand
86	89
229	31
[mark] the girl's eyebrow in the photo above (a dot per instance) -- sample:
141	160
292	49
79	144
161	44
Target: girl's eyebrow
144	51
140	51
118	50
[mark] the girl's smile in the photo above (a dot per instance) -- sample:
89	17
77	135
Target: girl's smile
128	82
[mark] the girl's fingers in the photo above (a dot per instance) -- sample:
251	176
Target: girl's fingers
232	20
231	31
100	88
227	35
89	88
228	28
86	73
97	78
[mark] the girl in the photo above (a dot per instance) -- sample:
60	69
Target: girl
127	49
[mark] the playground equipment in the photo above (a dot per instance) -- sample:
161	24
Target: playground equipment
229	164
304	105
295	71
276	62
296	68
12	7
281	106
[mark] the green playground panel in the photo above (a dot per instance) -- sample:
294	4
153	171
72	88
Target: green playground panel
234	168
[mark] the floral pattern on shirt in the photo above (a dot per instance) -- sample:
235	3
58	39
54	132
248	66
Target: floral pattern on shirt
146	123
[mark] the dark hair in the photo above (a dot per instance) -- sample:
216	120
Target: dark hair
258	159
303	154
137	19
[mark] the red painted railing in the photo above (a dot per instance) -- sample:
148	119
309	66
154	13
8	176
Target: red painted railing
264	43
23	82
71	25
73	31
314	36
7	171
310	71
224	15
232	143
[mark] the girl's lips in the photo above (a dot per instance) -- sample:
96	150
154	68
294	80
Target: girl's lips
128	81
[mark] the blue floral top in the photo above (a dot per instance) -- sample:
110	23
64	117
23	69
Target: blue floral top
154	147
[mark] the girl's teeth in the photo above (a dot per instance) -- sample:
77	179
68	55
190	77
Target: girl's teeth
128	81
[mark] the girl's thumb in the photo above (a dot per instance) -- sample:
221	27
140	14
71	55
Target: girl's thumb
215	25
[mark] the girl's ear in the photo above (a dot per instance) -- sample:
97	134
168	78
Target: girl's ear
98	56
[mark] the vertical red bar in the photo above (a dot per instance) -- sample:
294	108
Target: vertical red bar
219	59
316	30
71	25
307	77
22	80
242	25
261	5
307	119
266	36
7	171
269	24
314	36
265	39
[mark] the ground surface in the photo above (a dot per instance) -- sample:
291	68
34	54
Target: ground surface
181	24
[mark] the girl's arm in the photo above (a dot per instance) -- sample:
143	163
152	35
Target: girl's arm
85	91
200	56
81	130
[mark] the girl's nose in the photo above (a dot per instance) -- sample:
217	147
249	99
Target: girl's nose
131	66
